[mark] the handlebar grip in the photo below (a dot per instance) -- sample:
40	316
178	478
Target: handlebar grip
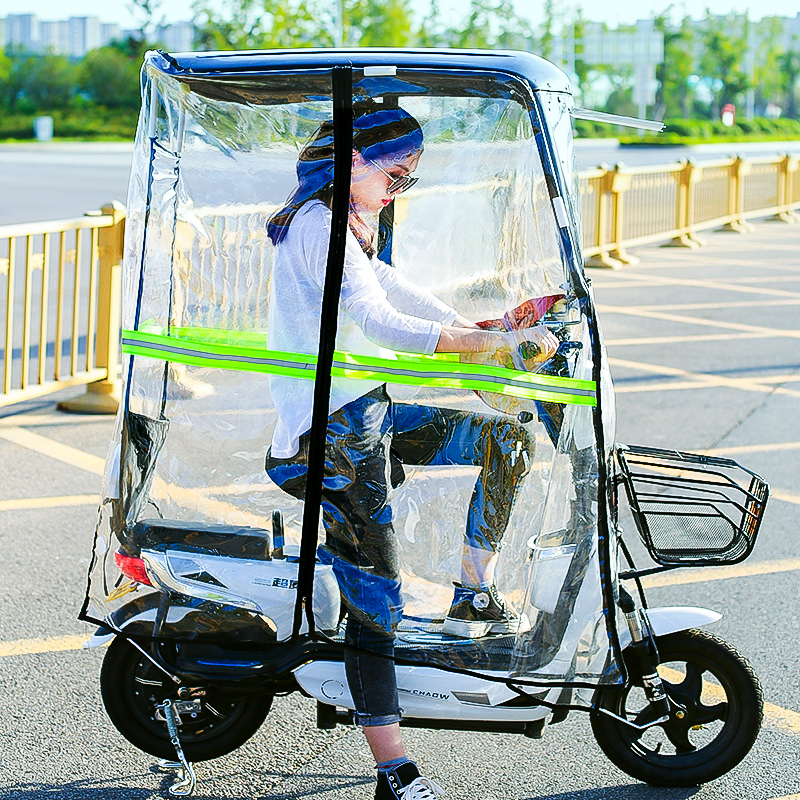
529	350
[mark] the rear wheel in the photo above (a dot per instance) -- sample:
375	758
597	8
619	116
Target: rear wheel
212	724
723	710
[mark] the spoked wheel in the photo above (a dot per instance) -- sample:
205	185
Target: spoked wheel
212	724
715	719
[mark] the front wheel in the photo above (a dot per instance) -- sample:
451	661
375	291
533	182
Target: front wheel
212	725
716	716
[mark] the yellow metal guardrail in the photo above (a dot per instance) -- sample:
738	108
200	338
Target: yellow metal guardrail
73	266
60	289
625	207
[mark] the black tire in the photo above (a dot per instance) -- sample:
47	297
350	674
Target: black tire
719	727
131	686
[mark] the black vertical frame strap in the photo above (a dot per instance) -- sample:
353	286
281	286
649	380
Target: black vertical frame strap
342	90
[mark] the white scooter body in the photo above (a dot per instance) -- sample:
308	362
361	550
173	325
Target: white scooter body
267	588
431	693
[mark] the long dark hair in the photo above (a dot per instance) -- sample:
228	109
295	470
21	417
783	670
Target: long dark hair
378	133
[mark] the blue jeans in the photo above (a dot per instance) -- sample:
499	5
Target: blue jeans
368	441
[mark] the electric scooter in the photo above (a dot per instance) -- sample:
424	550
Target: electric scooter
689	710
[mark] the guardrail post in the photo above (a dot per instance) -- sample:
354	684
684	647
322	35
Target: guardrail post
103	396
738	169
620	183
684	207
786	172
602	258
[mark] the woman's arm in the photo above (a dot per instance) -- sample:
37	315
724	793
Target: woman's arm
412	299
454	339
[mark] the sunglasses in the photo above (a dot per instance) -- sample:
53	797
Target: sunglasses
396	185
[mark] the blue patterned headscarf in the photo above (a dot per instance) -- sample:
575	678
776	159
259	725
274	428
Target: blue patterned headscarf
380	134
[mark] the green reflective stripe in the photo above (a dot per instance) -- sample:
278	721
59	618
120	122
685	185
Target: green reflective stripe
425	367
410	369
221	356
450	381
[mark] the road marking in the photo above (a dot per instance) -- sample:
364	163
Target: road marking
786	497
708	306
751	448
694	380
26	647
777	717
709	337
632	311
721	573
37	420
49	502
727	285
787	797
53	449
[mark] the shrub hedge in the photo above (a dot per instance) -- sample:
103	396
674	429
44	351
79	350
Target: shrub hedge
696	130
91	123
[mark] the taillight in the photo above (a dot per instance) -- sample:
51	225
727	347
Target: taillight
132	568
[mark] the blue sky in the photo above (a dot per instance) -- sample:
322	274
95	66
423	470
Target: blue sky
612	12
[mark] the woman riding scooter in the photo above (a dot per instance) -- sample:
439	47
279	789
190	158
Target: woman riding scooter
369	436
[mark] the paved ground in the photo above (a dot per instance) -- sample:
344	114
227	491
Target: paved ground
703	347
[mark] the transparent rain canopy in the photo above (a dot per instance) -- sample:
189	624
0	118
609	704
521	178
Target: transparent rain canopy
441	468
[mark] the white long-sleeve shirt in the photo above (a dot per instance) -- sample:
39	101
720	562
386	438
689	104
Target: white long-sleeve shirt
378	310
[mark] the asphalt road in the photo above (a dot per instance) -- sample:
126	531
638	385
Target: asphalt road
63	180
703	348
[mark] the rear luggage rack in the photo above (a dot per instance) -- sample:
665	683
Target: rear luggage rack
692	510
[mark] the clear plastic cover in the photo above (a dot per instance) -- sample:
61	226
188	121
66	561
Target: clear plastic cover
461	497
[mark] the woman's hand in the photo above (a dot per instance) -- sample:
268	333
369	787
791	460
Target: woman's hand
537	345
538	341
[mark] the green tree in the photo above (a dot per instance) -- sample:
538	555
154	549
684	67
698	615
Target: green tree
547	38
492	24
724	50
432	31
110	78
266	24
13	78
789	65
148	12
581	67
379	23
674	96
47	82
5	75
767	78
258	24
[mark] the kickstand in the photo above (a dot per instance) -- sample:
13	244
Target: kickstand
185	779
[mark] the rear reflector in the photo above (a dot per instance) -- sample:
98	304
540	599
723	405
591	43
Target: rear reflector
132	568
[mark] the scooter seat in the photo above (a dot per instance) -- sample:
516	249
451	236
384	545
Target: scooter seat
236	541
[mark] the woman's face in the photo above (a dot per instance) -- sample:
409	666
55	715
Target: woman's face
370	181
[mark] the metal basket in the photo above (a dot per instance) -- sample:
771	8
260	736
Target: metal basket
692	510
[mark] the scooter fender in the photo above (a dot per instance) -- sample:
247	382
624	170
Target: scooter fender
100	637
671	619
